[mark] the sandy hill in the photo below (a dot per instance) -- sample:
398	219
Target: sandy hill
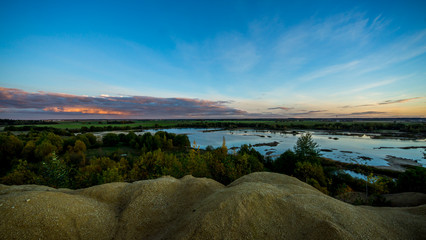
256	206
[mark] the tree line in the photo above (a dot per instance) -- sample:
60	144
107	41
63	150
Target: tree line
62	161
411	129
85	160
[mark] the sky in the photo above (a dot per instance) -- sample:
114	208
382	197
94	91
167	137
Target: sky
212	59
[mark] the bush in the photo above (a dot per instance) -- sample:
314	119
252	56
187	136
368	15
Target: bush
10	148
306	171
44	150
111	175
314	183
110	139
412	180
181	141
21	174
286	163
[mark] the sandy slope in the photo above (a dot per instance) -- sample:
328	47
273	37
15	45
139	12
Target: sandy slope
256	206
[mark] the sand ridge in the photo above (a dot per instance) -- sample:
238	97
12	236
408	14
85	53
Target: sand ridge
256	206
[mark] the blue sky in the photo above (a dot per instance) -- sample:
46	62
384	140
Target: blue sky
212	59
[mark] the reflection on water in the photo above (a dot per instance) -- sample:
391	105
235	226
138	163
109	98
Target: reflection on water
352	149
355	174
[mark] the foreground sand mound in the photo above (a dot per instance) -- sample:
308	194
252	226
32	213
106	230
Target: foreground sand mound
256	206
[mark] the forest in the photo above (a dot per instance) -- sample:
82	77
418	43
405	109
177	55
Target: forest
83	160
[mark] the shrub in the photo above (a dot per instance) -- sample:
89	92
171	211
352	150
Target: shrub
306	170
286	163
10	148
21	174
111	175
412	180
110	139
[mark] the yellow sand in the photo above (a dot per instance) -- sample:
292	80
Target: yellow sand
256	206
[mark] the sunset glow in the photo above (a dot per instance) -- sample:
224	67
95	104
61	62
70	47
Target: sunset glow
83	110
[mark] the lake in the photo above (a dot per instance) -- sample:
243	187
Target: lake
344	148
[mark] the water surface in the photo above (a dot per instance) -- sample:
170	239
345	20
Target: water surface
351	149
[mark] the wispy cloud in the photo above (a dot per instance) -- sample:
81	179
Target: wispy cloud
399	100
365	113
346	48
362	105
59	105
229	51
346	28
329	71
280	108
366	87
383	103
308	112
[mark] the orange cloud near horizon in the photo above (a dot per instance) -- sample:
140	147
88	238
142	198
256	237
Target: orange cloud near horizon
19	104
85	110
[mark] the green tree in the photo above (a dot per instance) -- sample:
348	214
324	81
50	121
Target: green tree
144	166
223	151
306	170
56	172
76	155
248	149
131	139
28	151
54	139
216	165
111	175
79	146
110	139
306	149
181	141
195	163
286	162
10	148
92	139
21	174
380	184
99	170
44	150
311	173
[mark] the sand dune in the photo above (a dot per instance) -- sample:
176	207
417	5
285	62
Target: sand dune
256	206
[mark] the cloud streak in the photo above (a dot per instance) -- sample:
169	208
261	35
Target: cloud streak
365	113
280	108
362	105
58	105
399	101
384	103
308	112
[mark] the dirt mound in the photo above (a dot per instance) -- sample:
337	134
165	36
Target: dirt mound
256	206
